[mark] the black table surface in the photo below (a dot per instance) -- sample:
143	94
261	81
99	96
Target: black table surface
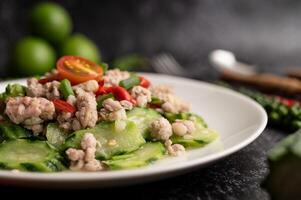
238	176
266	33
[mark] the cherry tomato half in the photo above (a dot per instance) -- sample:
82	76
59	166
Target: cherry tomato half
78	70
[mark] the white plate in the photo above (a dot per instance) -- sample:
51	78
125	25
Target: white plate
238	119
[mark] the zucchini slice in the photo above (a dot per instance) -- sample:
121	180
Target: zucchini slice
143	117
55	136
146	154
200	137
10	131
112	141
28	155
186	116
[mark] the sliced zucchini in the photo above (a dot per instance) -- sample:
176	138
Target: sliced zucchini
28	155
10	131
55	136
186	116
200	137
112	141
146	154
143	117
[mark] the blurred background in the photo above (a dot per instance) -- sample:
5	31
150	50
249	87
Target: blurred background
264	33
130	34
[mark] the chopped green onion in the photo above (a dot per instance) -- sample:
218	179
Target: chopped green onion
130	82
105	67
13	90
65	88
100	99
156	101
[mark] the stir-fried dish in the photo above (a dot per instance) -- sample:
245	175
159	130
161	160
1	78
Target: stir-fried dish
84	117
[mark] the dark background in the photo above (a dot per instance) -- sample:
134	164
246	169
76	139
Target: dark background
265	33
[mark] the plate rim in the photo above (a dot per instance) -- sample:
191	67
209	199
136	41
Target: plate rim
145	172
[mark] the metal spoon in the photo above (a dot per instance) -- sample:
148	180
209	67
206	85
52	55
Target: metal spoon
223	60
232	70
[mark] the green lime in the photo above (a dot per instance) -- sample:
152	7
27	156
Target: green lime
33	56
50	21
80	45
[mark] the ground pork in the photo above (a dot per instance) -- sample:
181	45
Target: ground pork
106	115
161	89
52	90
86	115
32	112
75	155
88	141
84	159
174	149
126	105
161	129
49	90
169	107
120	125
88	86
114	76
141	95
93	165
71	100
111	105
183	127
34	88
171	103
67	120
112	110
86	110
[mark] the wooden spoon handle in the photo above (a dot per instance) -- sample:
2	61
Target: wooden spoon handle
294	72
269	82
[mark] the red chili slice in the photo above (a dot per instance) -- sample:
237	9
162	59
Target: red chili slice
286	101
49	79
101	90
63	106
120	93
101	83
144	82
